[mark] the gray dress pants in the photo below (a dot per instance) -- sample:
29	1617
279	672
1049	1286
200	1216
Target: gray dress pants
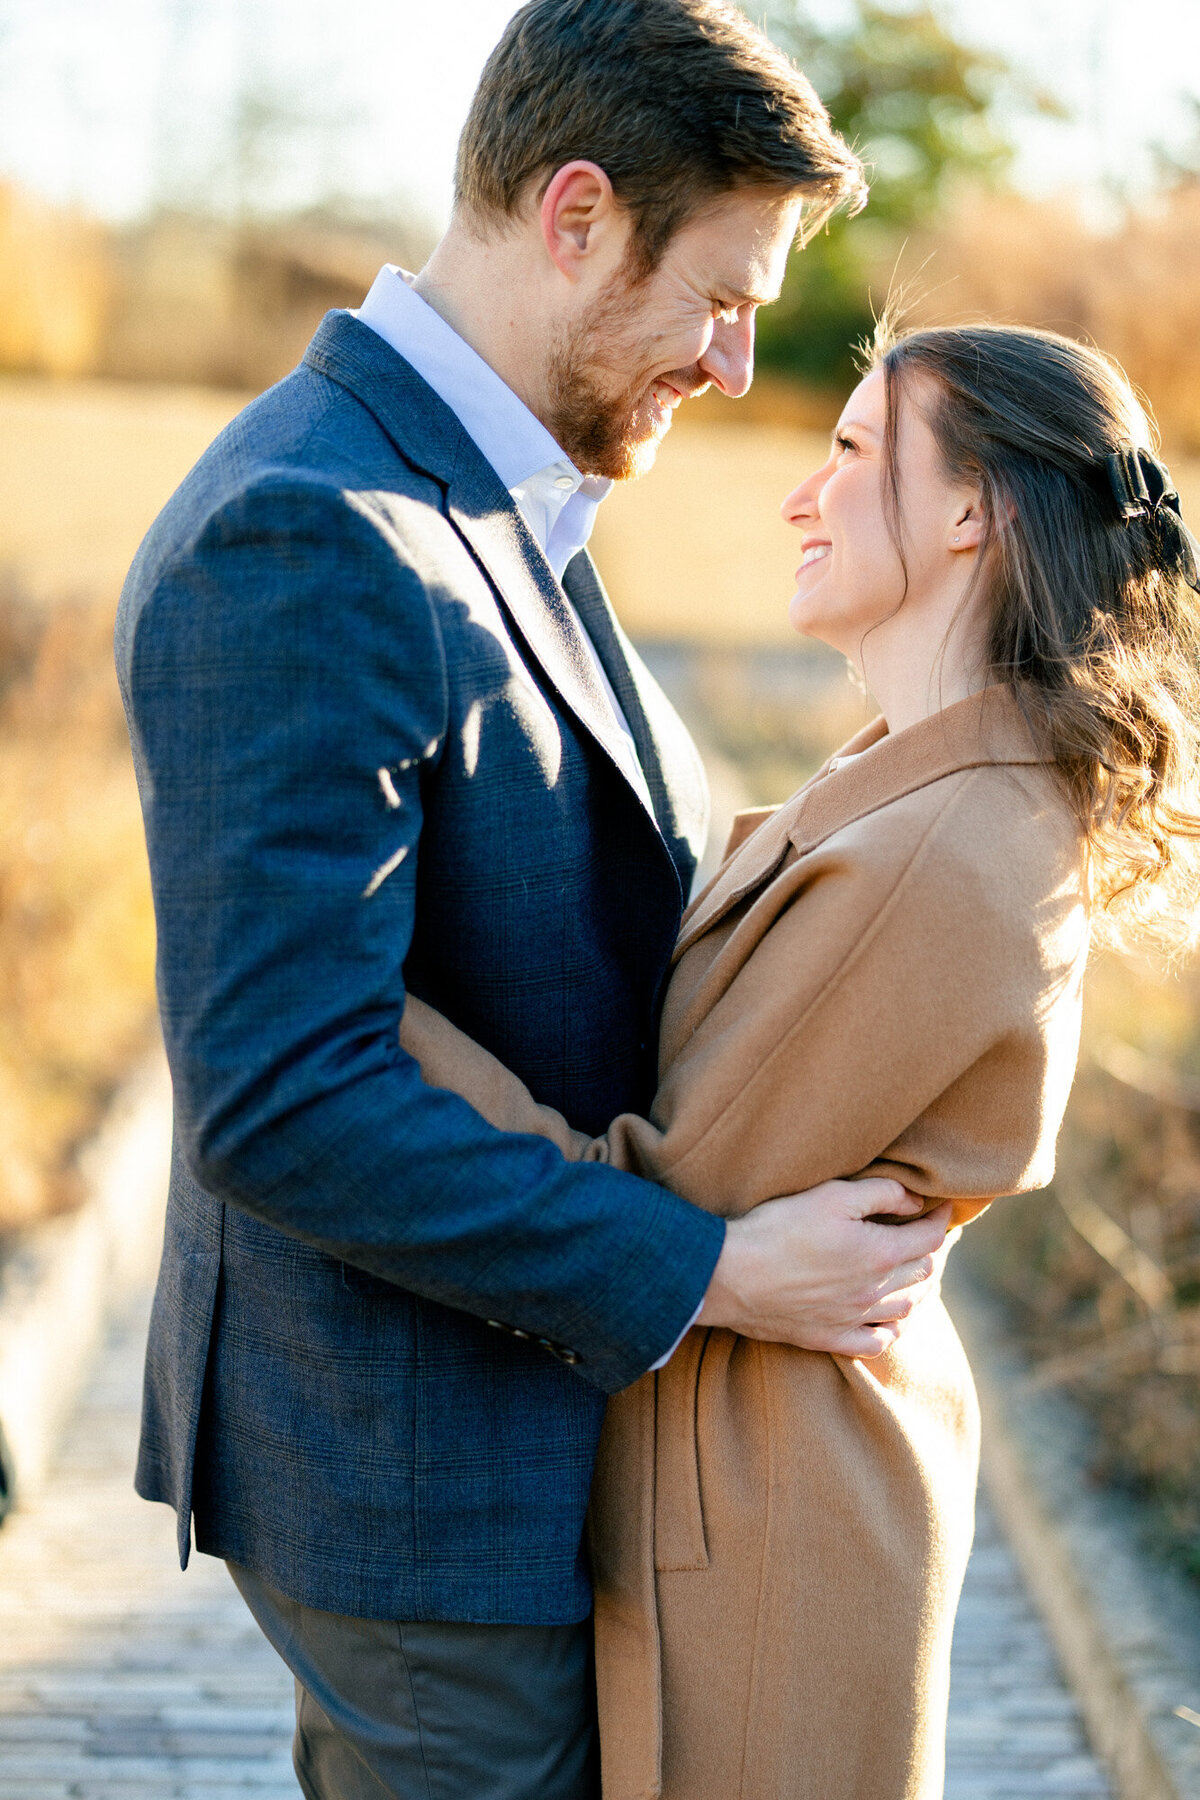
387	1710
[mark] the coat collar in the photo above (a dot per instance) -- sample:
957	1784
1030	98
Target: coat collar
430	437
985	729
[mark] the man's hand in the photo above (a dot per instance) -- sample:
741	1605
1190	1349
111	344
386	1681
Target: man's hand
814	1270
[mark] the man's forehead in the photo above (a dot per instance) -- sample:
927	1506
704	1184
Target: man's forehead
743	241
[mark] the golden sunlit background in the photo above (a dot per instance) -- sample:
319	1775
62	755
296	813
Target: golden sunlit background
187	185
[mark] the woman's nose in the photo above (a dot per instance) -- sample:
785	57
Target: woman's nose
801	504
804	502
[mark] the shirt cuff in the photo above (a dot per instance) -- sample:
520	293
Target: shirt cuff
666	1357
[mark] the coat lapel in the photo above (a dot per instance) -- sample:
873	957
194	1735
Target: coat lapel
750	866
986	728
429	436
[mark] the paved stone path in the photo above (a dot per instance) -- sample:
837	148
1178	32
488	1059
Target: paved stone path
120	1679
1015	1731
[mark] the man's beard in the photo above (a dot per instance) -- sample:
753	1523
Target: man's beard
615	435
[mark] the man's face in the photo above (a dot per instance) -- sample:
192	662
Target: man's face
617	373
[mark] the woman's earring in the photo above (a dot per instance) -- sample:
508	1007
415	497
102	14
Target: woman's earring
956	540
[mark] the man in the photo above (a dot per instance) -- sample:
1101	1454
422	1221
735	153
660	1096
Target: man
391	738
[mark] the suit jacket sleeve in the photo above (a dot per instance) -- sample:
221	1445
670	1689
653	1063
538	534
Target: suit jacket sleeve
287	701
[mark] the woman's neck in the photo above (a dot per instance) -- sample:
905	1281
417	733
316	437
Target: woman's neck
911	678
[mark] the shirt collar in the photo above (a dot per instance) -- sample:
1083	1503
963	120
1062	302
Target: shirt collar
532	466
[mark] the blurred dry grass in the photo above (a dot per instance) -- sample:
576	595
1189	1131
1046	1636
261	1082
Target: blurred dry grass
1134	292
85	466
1102	1271
83	469
55	286
76	931
180	297
208	301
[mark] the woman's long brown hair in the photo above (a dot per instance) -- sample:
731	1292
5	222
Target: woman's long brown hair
1092	623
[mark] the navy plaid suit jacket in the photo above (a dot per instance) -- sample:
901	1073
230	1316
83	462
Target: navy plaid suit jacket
374	756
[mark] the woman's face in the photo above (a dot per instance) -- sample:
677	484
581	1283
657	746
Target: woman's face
851	580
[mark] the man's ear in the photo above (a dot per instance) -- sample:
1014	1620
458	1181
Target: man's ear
577	208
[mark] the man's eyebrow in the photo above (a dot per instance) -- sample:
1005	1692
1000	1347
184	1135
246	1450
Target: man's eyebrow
736	298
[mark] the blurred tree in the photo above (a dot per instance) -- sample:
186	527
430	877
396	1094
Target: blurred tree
922	110
1178	165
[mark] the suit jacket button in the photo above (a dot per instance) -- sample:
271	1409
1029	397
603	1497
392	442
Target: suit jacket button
570	1356
518	1333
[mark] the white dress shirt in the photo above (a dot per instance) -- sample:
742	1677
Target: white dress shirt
557	503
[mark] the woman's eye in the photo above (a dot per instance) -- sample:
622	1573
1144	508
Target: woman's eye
843	444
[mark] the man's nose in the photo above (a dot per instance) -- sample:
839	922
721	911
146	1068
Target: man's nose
729	360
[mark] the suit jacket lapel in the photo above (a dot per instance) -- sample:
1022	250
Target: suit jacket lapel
663	743
428	435
483	511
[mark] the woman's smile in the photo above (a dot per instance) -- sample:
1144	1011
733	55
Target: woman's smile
813	552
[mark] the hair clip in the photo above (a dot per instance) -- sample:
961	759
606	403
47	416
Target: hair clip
1142	486
1128	482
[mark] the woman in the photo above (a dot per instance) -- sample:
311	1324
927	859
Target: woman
883	978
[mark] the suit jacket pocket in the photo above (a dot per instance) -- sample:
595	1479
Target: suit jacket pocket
361	1281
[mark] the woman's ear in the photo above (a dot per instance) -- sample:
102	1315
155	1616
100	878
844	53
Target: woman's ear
966	532
577	209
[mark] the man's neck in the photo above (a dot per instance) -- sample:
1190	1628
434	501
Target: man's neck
475	288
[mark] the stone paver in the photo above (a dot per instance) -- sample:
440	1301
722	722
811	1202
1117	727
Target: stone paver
121	1679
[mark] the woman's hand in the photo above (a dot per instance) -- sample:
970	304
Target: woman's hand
816	1270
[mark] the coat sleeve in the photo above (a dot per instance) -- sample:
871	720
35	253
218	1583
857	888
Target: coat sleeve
908	1015
909	1008
287	699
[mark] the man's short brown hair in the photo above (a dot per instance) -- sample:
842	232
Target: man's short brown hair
678	101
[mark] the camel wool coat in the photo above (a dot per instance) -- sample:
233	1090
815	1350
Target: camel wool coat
882	978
